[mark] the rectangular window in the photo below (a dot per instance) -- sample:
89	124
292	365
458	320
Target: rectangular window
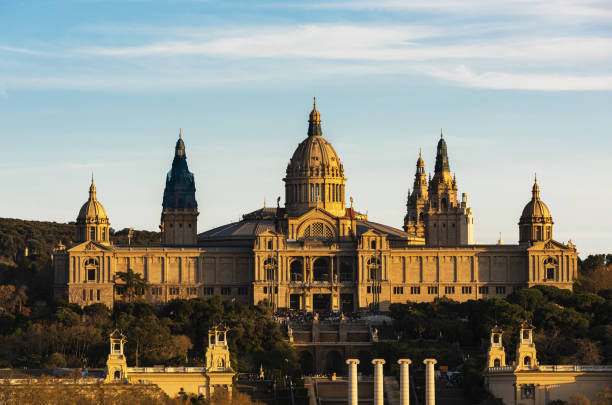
84	295
92	233
449	290
432	290
500	290
550	273
483	290
90	295
265	290
369	289
174	291
415	290
209	291
398	290
98	295
243	291
226	291
466	290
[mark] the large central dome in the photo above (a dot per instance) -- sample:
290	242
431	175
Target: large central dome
315	175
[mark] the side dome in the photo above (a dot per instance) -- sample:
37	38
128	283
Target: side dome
536	223
535	210
92	221
315	174
92	211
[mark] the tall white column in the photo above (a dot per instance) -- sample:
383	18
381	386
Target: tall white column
353	399
430	382
379	397
404	381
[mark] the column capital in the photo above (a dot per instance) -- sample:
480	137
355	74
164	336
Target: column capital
404	361
430	361
352	361
378	361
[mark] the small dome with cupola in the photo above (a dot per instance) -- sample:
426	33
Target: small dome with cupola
536	223
92	221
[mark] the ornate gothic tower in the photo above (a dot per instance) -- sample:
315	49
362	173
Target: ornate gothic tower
179	218
217	353
414	221
92	222
315	175
448	222
536	223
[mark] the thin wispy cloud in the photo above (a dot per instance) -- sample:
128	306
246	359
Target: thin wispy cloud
472	51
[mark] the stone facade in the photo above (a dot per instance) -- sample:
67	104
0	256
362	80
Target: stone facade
315	253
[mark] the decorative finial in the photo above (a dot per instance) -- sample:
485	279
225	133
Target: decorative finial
535	177
278	202
264	202
441	134
92	179
314	102
180	133
351	198
420	152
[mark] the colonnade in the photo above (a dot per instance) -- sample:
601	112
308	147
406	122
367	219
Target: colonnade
430	382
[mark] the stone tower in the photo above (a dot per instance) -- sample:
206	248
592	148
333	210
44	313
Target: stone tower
179	218
116	364
217	352
496	356
526	350
536	223
92	222
315	175
414	221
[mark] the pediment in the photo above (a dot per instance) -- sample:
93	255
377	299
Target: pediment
316	213
372	232
549	245
90	246
268	232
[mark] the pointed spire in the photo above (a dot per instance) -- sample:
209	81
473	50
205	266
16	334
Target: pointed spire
441	156
179	151
441	134
92	188
535	190
314	121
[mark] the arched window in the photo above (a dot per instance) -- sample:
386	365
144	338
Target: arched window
496	363
495	338
270	268
91	268
117	375
527	361
320	269
318	231
296	271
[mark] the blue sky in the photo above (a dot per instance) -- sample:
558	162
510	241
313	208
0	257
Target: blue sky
520	87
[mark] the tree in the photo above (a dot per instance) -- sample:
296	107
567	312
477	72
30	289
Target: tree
133	284
579	399
587	352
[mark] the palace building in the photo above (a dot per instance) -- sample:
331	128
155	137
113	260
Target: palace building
316	253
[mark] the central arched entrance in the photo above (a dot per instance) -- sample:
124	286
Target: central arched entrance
296	271
321	302
306	362
320	269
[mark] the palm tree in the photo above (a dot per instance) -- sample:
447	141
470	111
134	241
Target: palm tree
133	283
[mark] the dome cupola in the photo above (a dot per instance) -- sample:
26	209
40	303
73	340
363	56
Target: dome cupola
315	175
92	221
536	223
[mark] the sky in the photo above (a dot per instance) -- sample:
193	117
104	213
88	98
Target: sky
519	88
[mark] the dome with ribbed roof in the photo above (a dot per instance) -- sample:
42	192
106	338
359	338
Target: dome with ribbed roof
536	209
536	223
315	174
92	211
92	221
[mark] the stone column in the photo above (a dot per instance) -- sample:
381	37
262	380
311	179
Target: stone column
379	398
404	381
430	382
352	381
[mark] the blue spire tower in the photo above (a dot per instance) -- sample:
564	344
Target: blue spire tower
179	217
